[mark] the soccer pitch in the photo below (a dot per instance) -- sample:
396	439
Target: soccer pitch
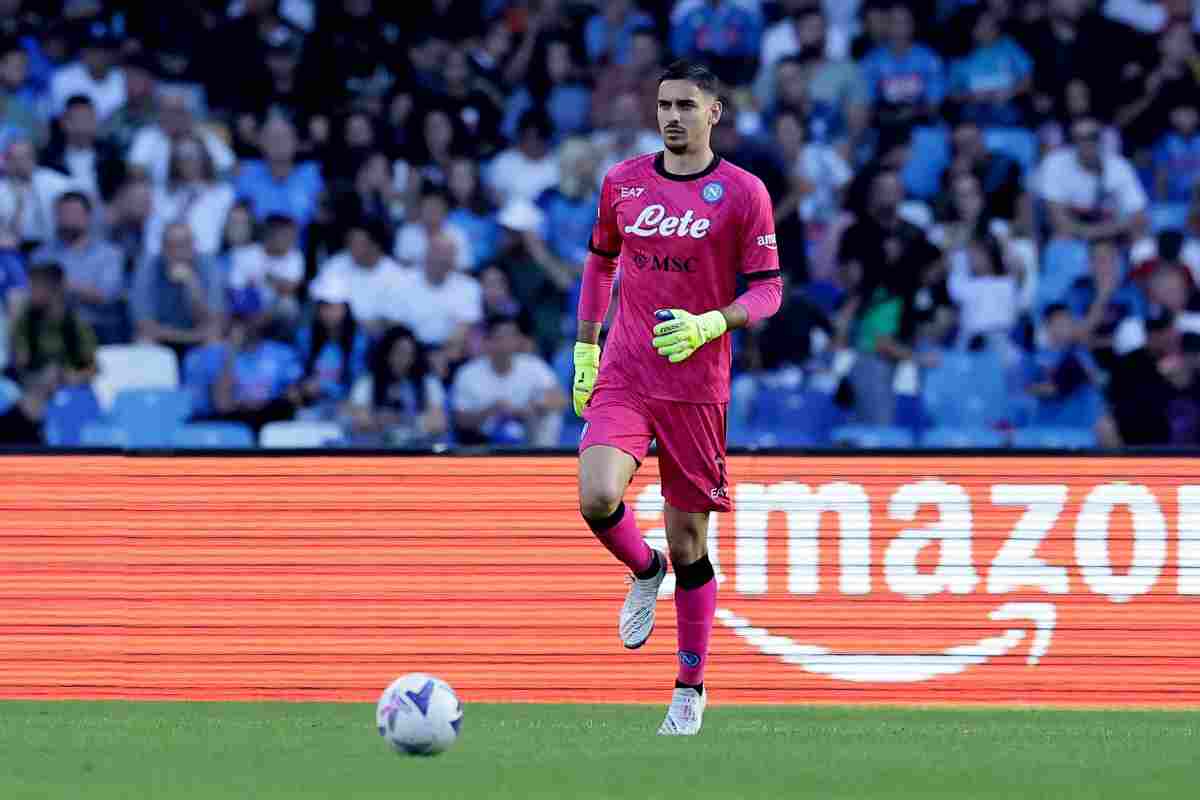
178	751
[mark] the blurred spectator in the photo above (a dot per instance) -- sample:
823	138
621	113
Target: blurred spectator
873	29
528	169
51	347
816	171
1177	156
490	53
726	34
440	143
276	88
178	297
28	194
236	51
477	104
373	184
507	396
1168	248
14	288
193	194
982	286
1152	386
245	377
1090	194
273	272
906	80
19	111
129	222
1157	90
569	210
835	87
151	148
377	283
93	165
540	282
400	402
1103	297
95	268
1062	376
95	74
239	231
1069	44
639	77
999	176
412	242
624	138
885	262
609	32
139	109
440	303
277	183
472	213
567	99
332	347
992	79
351	55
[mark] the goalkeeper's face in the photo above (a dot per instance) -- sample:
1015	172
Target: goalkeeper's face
686	116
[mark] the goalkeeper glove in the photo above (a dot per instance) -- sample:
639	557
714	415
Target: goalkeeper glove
587	363
679	334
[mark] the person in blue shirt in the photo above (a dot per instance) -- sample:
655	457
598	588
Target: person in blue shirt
473	212
609	33
991	79
1061	375
725	34
277	184
333	348
1103	297
1177	157
906	80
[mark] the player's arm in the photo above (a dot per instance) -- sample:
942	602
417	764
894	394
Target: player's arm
679	333
599	271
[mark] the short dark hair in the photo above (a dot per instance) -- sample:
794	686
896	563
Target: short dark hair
77	196
494	321
48	270
78	100
684	70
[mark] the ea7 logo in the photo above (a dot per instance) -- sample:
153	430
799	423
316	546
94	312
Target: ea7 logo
767	241
632	191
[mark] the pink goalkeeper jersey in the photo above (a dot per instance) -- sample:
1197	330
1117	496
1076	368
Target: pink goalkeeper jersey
681	242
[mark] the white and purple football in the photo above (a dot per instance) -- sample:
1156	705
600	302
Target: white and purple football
419	715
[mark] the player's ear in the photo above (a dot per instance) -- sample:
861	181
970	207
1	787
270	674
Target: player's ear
715	110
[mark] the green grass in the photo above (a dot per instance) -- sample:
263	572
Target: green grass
178	751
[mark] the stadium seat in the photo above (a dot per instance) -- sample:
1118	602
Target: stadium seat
133	366
963	438
299	434
872	436
966	390
149	416
9	394
1056	438
102	434
69	410
802	417
214	435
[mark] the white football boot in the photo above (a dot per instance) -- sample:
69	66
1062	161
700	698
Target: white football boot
637	615
685	714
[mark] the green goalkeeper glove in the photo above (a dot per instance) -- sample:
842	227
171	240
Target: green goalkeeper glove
587	363
680	334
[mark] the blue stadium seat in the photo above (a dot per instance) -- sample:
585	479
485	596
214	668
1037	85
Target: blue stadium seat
967	390
213	435
69	410
150	416
962	438
10	393
102	434
1056	438
873	437
802	417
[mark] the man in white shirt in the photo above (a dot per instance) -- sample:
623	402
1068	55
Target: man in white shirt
1091	194
94	165
151	148
525	171
412	243
377	283
95	74
507	396
273	269
441	303
28	193
625	138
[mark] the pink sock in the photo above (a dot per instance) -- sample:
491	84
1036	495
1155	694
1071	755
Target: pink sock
624	540
694	610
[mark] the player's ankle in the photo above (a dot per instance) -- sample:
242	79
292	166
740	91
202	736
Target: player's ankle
699	687
652	570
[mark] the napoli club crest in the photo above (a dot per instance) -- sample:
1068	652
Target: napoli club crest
712	192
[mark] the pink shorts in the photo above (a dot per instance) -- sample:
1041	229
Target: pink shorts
690	437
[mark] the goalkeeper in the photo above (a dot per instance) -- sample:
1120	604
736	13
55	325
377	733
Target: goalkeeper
681	224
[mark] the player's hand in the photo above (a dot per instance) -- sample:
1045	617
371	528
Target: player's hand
587	364
679	333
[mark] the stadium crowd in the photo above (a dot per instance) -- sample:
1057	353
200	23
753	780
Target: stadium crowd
375	214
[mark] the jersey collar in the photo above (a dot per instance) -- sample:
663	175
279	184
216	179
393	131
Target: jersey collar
660	167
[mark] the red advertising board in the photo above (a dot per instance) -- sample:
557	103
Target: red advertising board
851	579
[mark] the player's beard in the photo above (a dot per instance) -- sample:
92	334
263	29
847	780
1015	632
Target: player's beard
678	149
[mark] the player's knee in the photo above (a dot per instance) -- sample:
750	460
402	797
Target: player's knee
598	501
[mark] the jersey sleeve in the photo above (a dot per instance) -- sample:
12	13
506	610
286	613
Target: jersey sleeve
760	256
606	235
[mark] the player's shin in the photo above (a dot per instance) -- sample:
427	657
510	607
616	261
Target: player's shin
695	606
619	533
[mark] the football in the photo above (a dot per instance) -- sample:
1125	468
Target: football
419	715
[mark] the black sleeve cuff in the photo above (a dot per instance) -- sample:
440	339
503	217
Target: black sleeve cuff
602	253
763	275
